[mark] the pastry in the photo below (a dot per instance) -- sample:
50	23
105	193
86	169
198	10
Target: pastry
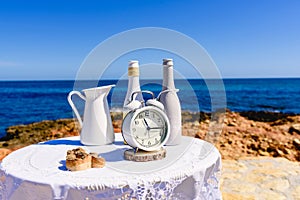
97	162
78	159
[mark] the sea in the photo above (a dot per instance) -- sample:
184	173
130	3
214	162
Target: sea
24	102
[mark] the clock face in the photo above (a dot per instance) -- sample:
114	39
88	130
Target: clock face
149	128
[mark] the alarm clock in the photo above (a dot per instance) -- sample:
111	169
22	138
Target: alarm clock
146	126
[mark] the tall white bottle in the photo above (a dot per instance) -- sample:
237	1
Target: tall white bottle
133	84
171	102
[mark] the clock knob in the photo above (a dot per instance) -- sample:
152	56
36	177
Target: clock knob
155	103
135	104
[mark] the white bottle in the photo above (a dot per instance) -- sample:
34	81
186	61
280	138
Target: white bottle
171	103
133	84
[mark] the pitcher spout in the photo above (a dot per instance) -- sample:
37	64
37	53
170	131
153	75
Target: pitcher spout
97	92
106	89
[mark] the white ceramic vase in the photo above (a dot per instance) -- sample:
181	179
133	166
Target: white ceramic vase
133	85
170	100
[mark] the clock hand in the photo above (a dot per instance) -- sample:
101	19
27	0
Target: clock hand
146	124
148	128
156	127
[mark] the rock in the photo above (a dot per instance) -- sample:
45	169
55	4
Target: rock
279	184
263	153
232	124
225	121
235	166
39	131
261	134
196	123
279	152
263	146
287	151
264	116
230	196
265	178
255	137
242	188
296	193
272	195
4	152
296	143
253	146
295	128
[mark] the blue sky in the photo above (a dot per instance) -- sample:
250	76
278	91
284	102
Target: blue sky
248	38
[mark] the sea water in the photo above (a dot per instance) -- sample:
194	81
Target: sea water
24	102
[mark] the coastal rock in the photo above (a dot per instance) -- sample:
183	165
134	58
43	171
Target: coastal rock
257	138
280	185
232	124
263	153
246	149
296	193
37	132
236	135
265	116
230	196
296	142
4	152
295	128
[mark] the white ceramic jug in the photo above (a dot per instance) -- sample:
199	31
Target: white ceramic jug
96	126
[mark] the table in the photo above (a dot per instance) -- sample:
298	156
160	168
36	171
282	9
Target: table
190	170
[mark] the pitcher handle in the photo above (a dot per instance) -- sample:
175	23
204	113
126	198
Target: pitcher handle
73	105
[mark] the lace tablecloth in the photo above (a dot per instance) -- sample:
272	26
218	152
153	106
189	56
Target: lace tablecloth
190	170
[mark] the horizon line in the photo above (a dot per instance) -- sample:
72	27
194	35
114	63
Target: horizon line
112	79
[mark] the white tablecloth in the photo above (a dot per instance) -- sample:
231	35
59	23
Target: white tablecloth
190	170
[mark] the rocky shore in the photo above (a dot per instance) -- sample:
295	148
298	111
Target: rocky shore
260	150
247	134
252	134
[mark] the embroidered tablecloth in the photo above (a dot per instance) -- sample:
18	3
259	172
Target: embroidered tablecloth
190	170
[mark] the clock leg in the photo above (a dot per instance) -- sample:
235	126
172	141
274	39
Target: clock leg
136	150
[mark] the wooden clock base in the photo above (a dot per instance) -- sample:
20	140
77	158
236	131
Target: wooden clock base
144	156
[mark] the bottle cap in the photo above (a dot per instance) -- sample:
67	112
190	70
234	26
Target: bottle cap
133	63
133	68
168	61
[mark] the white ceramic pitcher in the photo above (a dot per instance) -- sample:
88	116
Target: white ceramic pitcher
96	126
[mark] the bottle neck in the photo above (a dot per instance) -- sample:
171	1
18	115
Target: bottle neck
134	83
133	78
168	80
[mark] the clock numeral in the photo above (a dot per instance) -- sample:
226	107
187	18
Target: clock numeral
141	116
147	113
149	143
156	140
136	122
133	129
142	141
